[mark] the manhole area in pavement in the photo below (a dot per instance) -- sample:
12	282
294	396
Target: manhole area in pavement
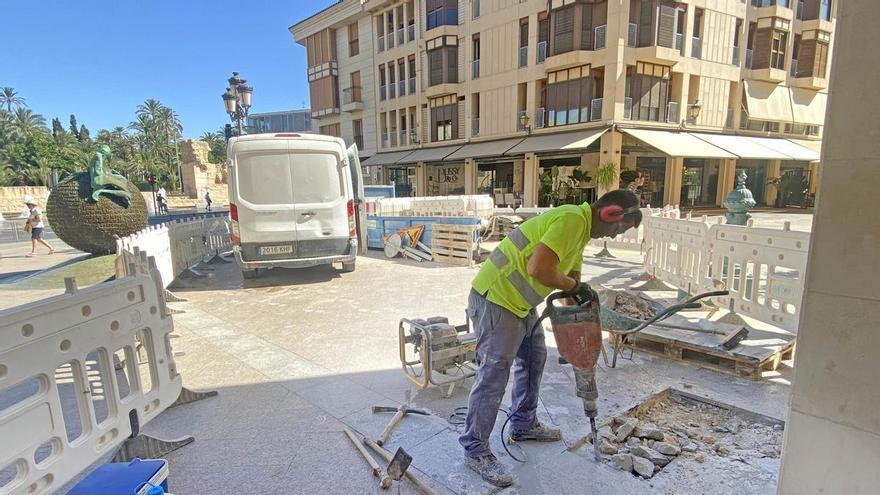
677	427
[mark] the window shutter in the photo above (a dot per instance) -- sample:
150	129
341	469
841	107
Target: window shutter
426	70
763	45
426	126
458	119
666	28
435	58
563	39
451	64
586	27
461	63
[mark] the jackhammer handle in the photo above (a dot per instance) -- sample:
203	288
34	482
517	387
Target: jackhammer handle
391	425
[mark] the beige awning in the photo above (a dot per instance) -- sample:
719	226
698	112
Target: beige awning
786	147
430	154
483	149
767	101
564	141
385	158
808	107
813	145
744	146
678	144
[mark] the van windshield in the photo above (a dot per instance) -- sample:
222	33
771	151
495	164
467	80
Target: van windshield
282	178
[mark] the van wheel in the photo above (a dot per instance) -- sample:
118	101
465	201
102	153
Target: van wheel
348	267
249	273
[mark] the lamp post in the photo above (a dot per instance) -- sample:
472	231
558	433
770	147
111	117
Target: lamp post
694	111
524	123
414	137
237	100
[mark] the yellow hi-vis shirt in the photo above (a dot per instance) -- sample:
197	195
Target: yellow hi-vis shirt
504	279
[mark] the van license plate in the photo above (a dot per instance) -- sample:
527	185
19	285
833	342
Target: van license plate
266	250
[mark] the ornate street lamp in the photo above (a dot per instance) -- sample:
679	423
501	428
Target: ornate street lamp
237	100
524	123
694	110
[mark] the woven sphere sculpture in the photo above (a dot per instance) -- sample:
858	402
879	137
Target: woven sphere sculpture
92	226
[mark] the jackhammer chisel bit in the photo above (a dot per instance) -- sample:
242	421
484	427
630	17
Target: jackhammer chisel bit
585	384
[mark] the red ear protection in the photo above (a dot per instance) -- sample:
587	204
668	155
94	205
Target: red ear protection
615	213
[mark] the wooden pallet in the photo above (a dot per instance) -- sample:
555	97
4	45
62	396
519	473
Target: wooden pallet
760	351
453	244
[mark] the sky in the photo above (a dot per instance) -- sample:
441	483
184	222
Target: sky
100	59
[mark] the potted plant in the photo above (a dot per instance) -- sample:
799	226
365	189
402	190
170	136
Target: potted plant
606	176
582	177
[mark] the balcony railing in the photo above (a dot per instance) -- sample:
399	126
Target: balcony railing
359	142
386	141
475	126
351	95
542	52
400	37
381	43
393	136
696	47
519	116
679	41
389	40
539	117
599	37
734	58
523	56
411	32
383	95
401	87
794	68
748	58
800	10
596	109
673	109
628	108
412	85
632	35
475	69
392	90
402	135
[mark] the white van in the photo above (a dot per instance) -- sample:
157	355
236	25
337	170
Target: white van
295	200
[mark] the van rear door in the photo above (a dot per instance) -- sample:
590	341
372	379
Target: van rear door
265	200
321	193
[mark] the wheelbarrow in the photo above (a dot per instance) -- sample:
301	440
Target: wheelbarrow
621	325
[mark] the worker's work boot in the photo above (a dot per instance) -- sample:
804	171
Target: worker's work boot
538	433
490	469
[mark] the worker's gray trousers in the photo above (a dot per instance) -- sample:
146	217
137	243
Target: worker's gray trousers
502	339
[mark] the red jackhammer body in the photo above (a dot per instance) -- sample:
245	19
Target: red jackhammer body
578	333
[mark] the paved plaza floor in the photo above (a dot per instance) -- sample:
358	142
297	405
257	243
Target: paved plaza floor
296	355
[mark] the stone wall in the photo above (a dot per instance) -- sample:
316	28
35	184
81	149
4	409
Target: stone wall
199	173
12	198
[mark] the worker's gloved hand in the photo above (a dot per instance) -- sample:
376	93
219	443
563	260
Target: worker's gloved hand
582	293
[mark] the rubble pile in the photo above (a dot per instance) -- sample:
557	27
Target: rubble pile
632	306
643	442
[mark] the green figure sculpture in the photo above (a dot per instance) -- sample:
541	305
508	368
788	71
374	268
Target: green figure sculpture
105	181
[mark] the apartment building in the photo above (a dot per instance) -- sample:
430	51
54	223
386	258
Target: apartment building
514	97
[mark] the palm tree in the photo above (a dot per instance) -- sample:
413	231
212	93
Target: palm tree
10	98
26	123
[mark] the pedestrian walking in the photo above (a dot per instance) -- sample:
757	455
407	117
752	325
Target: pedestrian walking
35	226
207	199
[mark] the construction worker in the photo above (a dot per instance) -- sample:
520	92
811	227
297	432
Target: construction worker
542	254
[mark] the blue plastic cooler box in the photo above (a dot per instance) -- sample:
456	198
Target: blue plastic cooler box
124	478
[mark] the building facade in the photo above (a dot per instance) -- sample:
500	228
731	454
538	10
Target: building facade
543	102
287	121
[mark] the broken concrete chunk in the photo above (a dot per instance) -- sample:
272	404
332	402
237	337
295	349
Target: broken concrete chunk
689	447
650	454
606	421
606	433
709	439
666	448
700	457
625	430
723	449
606	448
671	439
633	442
624	462
643	467
648	431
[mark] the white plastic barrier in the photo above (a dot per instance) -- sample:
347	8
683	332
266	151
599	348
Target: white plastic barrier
764	270
176	245
77	371
393	207
675	251
479	205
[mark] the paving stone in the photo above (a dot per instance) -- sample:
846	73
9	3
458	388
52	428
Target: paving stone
650	454
648	431
643	467
625	430
624	462
666	448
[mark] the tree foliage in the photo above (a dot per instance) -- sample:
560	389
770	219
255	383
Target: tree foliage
30	151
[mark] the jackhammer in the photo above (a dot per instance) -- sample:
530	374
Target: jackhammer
578	333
